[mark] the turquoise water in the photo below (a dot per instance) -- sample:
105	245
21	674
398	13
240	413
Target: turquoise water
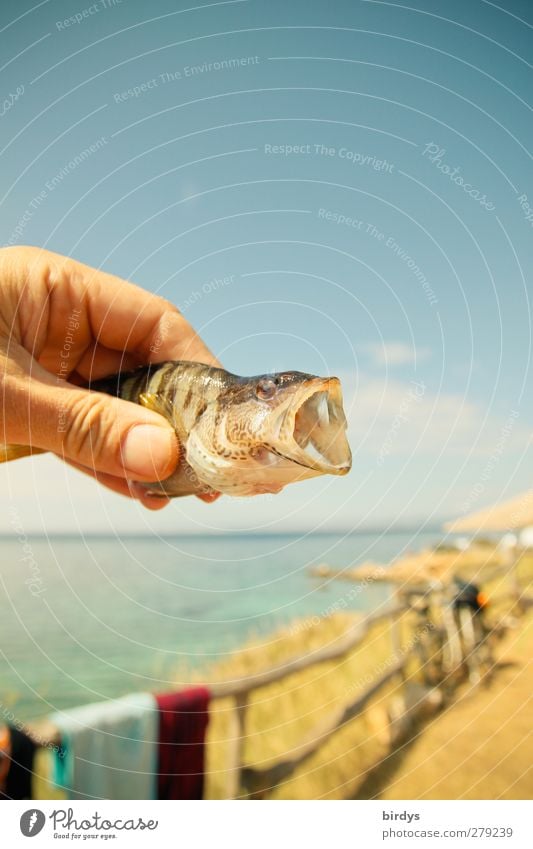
86	619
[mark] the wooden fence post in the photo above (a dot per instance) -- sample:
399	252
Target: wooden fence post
236	736
396	631
516	590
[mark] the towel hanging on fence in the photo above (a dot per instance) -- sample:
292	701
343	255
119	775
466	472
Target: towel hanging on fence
109	749
18	752
183	718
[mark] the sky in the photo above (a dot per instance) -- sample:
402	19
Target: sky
341	188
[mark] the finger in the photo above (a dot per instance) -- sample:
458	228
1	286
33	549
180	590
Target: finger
95	430
122	316
99	362
122	487
209	497
152	502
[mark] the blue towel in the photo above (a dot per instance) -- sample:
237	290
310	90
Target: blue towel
109	749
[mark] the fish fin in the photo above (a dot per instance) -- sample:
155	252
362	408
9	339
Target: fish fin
156	403
14	452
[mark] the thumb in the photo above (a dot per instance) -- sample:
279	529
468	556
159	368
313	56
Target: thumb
90	428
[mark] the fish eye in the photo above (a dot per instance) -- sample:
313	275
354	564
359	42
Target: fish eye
266	389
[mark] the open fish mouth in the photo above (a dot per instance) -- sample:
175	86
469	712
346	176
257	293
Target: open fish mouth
313	430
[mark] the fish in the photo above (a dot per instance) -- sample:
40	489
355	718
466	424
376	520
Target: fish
238	436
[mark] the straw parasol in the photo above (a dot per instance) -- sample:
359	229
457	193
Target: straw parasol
507	516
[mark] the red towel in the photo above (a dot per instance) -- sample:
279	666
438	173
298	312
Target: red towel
18	765
183	718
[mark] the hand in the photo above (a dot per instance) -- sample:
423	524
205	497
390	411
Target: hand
62	324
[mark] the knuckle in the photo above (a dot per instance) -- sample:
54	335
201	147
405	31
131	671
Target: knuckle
88	431
169	310
165	328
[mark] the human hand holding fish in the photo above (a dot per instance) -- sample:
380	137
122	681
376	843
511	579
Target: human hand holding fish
62	324
236	435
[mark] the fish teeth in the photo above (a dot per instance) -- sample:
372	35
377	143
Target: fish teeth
323	410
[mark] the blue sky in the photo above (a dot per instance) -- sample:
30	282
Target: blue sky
339	188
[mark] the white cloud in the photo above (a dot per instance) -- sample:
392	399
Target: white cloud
391	354
412	416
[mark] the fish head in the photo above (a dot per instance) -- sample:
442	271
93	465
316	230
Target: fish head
274	429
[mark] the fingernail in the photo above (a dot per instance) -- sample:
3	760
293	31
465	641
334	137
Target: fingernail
153	502
147	452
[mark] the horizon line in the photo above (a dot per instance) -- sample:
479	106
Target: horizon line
231	532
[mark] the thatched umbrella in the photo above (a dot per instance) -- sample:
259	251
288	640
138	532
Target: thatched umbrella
506	517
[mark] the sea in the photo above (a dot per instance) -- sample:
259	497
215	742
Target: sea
92	618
